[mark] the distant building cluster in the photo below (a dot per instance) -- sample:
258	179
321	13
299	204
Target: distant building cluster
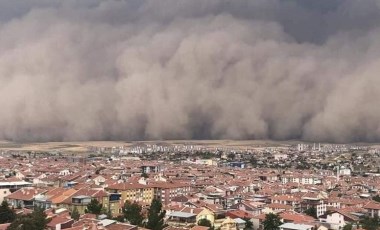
308	186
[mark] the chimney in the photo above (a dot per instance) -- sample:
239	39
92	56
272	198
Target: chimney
85	226
97	226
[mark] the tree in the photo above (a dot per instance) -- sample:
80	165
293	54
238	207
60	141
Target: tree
369	223
145	175
253	161
119	218
155	215
75	214
34	221
205	222
376	198
248	224
94	207
104	211
272	222
347	227
109	214
7	215
23	222
231	156
132	213
311	212
39	218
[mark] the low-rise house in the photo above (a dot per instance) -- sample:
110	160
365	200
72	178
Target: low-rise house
8	187
228	224
338	219
240	223
206	214
60	220
83	197
294	217
181	219
64	172
373	208
289	200
105	224
239	214
254	208
24	197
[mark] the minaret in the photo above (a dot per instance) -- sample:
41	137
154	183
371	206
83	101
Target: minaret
337	174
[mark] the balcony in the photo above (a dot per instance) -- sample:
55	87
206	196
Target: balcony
114	197
81	200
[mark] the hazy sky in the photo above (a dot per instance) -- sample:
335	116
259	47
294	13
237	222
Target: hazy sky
190	69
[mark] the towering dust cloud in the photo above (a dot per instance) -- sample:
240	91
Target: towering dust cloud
190	69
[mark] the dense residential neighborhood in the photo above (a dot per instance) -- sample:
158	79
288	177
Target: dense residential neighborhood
301	187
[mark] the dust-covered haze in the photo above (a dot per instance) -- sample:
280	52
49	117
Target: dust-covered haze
190	69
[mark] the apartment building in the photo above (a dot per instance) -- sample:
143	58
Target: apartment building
133	192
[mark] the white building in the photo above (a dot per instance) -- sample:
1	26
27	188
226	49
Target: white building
7	188
338	220
345	171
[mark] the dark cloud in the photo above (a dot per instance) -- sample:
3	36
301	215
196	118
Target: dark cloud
190	69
